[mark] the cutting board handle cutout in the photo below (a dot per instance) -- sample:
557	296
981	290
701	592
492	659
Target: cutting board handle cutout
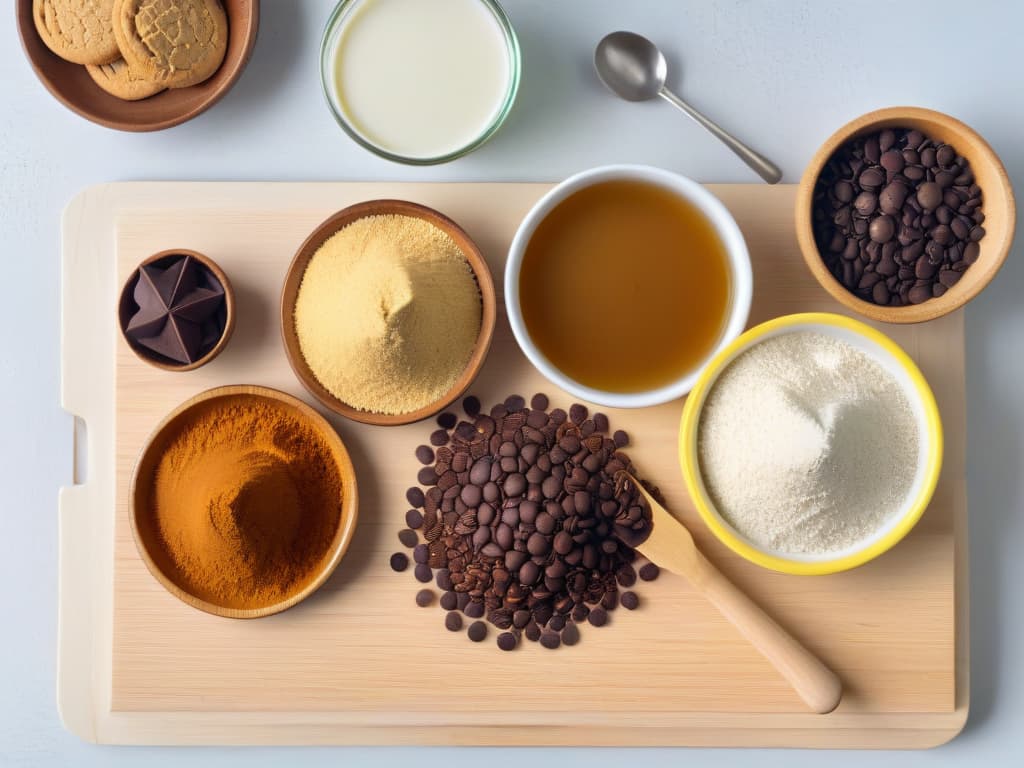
80	452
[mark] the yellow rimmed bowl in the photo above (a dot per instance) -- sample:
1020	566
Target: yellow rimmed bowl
929	461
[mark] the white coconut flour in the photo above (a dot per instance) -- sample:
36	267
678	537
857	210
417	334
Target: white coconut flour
806	444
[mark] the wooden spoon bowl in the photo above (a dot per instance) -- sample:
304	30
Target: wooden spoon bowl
72	86
294	279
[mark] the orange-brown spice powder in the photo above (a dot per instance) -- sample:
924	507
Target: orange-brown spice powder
247	500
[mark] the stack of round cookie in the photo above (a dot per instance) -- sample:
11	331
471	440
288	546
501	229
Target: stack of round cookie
136	48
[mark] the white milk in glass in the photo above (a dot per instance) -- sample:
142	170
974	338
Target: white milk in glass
421	78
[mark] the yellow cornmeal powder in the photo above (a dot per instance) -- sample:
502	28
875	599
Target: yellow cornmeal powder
388	313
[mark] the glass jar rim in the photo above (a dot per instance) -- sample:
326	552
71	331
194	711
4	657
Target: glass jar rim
327	46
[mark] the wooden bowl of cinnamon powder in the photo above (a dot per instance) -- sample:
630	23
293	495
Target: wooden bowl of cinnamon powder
243	501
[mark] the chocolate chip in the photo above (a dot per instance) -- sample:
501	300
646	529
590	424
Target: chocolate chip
414	518
408	538
571	634
471	406
449	601
443	578
620	438
447	420
598	616
550	640
882	229
399	561
577	413
506	641
421	553
425	454
453	621
438	437
424	597
415	497
477	631
515	403
649	572
423	573
629	600
872	178
539	402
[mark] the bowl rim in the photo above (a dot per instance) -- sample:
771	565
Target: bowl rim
886	117
689	460
297	269
251	31
343	535
721	219
229	305
337	17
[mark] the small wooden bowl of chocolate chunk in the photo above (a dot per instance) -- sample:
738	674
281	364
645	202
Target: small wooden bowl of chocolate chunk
177	310
905	214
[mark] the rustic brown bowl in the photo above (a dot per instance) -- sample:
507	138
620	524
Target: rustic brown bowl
997	203
126	307
144	529
298	268
71	85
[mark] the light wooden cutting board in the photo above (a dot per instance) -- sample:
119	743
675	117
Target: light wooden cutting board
359	662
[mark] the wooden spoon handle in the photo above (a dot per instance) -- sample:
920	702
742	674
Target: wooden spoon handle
816	684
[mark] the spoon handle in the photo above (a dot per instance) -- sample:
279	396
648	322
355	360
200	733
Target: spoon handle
761	165
815	683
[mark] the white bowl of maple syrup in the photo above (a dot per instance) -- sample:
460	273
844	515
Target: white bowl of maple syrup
624	281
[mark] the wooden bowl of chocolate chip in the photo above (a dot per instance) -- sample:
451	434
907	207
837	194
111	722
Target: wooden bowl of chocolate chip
905	214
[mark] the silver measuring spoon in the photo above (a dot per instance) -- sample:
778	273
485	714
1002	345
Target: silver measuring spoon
633	68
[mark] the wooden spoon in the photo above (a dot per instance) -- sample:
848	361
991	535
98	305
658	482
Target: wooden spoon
671	546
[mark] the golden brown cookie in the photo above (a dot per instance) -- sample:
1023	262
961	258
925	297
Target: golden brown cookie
176	43
118	79
81	31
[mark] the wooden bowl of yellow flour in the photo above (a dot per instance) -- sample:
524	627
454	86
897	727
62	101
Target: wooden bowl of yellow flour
387	312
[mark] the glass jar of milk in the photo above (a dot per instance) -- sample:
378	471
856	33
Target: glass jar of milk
420	81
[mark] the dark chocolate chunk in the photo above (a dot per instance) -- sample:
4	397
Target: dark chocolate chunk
174	310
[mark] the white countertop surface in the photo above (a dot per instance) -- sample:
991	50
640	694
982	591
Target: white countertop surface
781	74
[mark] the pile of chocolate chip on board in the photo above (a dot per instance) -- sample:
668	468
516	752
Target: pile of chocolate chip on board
527	520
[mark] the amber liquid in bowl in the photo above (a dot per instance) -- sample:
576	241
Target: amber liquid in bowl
624	286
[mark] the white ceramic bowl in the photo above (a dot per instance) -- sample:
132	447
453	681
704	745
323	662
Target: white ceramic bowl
740	279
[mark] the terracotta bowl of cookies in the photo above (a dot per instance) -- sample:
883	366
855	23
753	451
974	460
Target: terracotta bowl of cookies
997	207
297	270
72	84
